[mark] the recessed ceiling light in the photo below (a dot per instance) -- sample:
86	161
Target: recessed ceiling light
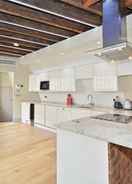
130	57
98	42
99	54
16	44
120	48
112	61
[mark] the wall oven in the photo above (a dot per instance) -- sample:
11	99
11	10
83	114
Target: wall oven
44	85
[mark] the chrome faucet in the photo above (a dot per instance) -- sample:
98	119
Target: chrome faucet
90	99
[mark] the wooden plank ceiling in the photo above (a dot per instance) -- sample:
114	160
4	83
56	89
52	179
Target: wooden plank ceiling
28	25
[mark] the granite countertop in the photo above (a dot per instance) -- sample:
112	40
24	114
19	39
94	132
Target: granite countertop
108	131
78	106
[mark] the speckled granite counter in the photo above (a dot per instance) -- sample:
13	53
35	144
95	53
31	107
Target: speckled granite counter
110	132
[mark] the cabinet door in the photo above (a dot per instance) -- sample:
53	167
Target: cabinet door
63	114
84	71
25	112
124	69
105	77
39	114
51	116
33	83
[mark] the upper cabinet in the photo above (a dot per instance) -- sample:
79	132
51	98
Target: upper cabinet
84	71
59	79
105	77
125	69
33	83
62	80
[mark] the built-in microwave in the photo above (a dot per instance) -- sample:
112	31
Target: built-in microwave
44	85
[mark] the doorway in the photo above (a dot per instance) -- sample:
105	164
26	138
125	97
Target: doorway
6	96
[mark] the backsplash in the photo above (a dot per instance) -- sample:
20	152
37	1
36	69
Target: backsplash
83	89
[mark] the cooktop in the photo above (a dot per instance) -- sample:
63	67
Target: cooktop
117	118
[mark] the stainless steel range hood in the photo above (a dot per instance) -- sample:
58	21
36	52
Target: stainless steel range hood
118	52
115	44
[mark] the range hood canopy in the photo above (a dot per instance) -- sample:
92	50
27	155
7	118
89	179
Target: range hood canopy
118	52
115	44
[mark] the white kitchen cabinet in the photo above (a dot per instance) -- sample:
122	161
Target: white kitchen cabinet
33	83
39	114
63	114
25	112
105	77
125	69
84	71
81	159
51	116
62	80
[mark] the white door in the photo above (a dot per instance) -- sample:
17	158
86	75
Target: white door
25	112
6	104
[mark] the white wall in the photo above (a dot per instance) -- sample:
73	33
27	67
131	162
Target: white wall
21	77
64	52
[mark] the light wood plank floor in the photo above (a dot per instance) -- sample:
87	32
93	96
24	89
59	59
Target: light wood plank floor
27	155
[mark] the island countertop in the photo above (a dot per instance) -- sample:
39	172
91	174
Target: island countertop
111	132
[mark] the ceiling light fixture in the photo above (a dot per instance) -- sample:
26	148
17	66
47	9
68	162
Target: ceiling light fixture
98	42
130	57
16	44
99	54
112	61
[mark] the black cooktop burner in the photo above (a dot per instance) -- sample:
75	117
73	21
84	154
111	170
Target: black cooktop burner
118	118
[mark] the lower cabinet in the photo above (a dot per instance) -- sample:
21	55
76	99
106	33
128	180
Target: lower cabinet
51	116
81	159
25	112
39	114
63	114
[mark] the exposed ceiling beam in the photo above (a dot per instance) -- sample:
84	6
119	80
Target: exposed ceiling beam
42	17
24	37
29	32
20	39
89	2
5	53
22	22
14	51
21	42
61	9
79	4
16	48
20	46
128	3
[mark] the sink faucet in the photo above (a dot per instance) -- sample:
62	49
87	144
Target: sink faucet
90	99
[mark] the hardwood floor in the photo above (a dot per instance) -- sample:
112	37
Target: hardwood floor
27	155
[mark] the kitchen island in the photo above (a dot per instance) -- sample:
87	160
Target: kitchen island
93	151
